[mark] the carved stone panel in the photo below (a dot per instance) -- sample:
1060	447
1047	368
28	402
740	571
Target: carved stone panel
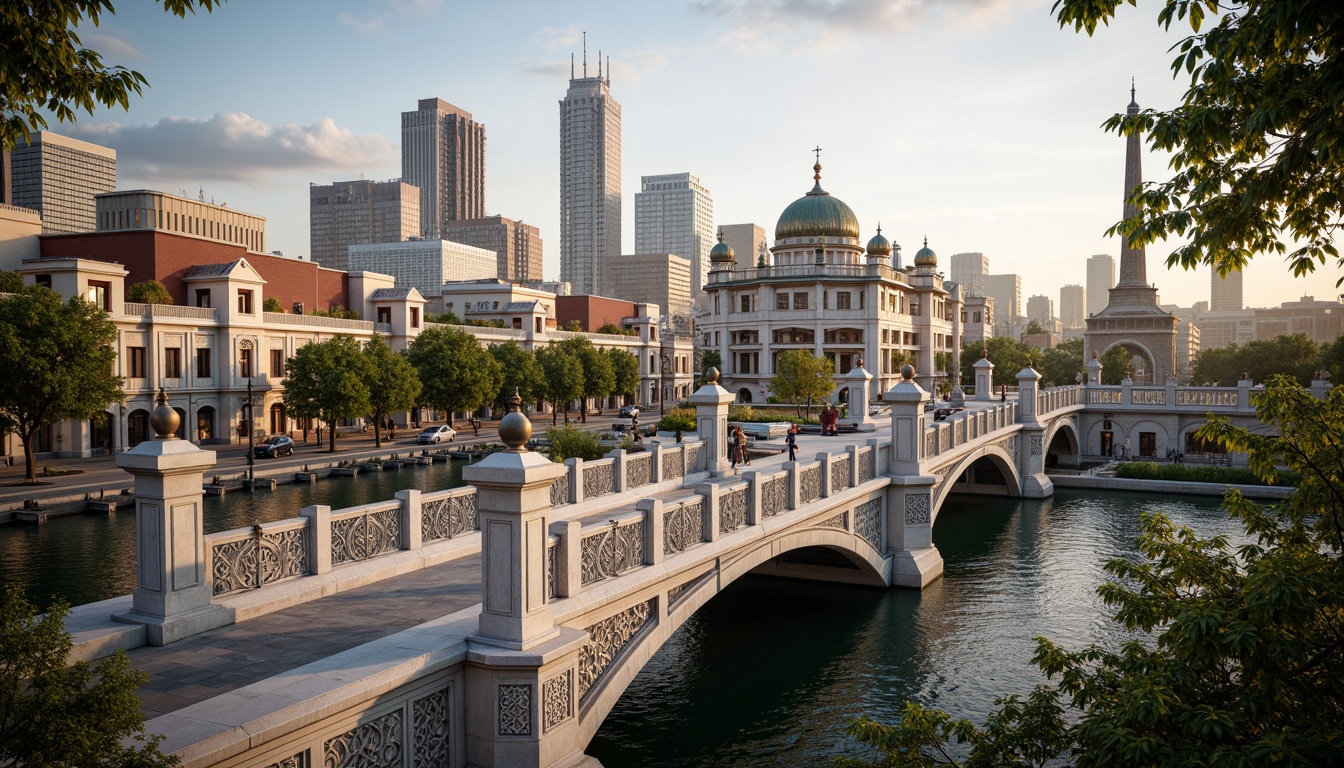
671	465
774	496
733	510
365	536
552	565
515	709
556	700
609	637
597	480
375	744
446	518
638	470
560	491
868	522
612	551
431	731
683	527
809	484
916	509
866	465
1036	445
839	474
836	521
695	458
297	760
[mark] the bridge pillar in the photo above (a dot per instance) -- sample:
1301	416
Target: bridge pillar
859	382
521	679
1094	371
172	598
909	509
984	379
1031	455
711	422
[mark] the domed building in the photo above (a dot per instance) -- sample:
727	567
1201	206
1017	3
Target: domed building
825	291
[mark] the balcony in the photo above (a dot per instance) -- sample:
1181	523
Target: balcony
146	311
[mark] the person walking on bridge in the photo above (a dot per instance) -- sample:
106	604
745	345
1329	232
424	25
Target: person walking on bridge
791	440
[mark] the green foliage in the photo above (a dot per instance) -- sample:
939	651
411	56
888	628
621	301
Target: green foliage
1148	470
456	373
336	311
519	371
568	442
625	372
573	325
801	378
599	380
748	414
615	329
1297	356
10	282
1257	142
485	323
58	359
447	318
47	69
710	358
1008	355
149	292
563	379
1061	364
677	418
272	304
1232	656
1116	365
393	383
1034	327
942	362
328	380
57	715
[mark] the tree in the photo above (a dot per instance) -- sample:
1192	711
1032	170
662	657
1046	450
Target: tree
1297	356
625	371
614	329
599	380
709	358
393	383
58	360
1008	355
272	304
1235	654
456	373
1332	359
563	379
520	372
10	282
1256	141
1061	364
573	326
328	380
47	68
1116	365
57	715
801	378
149	292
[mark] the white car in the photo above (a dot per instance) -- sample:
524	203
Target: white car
440	434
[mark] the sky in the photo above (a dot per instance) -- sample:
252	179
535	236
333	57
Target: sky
974	123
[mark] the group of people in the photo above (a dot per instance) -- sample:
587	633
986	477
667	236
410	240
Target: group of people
829	417
737	447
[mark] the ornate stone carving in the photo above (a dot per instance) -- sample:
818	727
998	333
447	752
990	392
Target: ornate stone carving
515	709
446	518
916	509
839	474
552	565
597	480
671	465
695	458
375	744
556	698
609	637
868	522
809	484
774	496
431	731
732	510
638	469
560	491
1036	445
866	465
612	551
234	566
683	527
836	521
248	564
928	443
365	536
298	760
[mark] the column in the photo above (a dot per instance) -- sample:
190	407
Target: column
859	382
711	422
916	562
1031	445
984	379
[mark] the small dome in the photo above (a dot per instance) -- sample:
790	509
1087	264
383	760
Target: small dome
879	245
721	253
925	257
817	214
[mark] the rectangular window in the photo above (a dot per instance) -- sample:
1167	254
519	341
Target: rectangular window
172	363
135	362
245	363
244	302
385	315
842	300
781	300
42	280
746	303
203	297
100	295
716	303
800	301
203	369
277	363
415	317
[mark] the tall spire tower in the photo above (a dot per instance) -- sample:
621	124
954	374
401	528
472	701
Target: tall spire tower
590	179
1133	261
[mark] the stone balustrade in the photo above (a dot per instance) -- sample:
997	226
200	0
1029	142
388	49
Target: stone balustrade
1173	398
248	558
1048	400
966	426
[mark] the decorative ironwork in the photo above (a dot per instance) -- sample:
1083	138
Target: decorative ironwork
1204	397
612	551
840	521
597	480
552	565
375	744
431	731
866	466
1106	396
446	518
774	496
1036	445
809	484
297	760
560	491
609	637
839	474
240	565
695	458
638	469
732	510
515	710
868	522
683	527
556	700
917	509
365	536
671	465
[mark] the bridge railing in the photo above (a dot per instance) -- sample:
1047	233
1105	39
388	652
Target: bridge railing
1172	397
966	426
1053	399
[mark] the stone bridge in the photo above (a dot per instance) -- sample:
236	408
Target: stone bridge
552	585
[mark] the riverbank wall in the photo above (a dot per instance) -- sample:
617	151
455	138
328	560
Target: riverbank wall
1183	487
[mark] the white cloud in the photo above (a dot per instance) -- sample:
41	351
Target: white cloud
376	20
558	38
232	146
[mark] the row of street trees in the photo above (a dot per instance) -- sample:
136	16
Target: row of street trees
1058	365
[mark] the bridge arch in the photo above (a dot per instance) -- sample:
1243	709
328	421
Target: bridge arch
1068	449
996	455
699	584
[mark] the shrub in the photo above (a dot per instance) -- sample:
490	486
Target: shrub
1147	470
678	418
568	442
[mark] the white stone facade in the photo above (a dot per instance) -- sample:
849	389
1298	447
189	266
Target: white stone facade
425	264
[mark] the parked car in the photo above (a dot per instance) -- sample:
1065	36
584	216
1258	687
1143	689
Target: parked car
944	412
273	446
629	411
878	410
440	434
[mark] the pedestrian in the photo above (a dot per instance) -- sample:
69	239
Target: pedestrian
678	435
743	456
732	447
475	427
1126	454
791	440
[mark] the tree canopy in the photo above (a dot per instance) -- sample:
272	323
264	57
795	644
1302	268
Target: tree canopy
149	292
1008	355
563	379
1257	141
599	380
625	372
393	383
802	378
328	380
1296	356
520	372
10	282
46	67
57	357
456	373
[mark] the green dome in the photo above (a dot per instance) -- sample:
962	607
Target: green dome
721	253
879	245
817	214
925	257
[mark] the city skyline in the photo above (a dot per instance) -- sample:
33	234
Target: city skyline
1035	193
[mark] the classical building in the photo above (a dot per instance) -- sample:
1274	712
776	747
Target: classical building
824	293
977	320
443	154
1225	293
425	264
1073	306
145	210
58	177
674	213
590	180
1100	281
517	246
746	240
347	213
969	271
1132	319
652	278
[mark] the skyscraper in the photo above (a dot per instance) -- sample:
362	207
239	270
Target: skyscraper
969	271
443	153
1225	292
747	241
517	246
1042	310
58	176
348	213
1006	291
1073	306
1100	281
590	179
674	213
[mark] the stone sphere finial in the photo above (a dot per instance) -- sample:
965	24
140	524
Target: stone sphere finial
858	361
164	420
908	372
712	375
515	429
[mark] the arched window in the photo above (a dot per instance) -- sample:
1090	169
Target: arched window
205	424
137	427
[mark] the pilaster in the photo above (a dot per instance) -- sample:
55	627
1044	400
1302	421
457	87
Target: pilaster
1031	454
711	419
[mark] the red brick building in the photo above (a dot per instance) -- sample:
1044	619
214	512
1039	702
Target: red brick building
592	312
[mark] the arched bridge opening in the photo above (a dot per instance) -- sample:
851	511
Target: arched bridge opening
988	471
1063	448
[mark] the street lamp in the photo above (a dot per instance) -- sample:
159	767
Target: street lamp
251	448
662	385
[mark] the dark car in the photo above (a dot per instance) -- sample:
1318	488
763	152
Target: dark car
276	445
945	412
629	411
